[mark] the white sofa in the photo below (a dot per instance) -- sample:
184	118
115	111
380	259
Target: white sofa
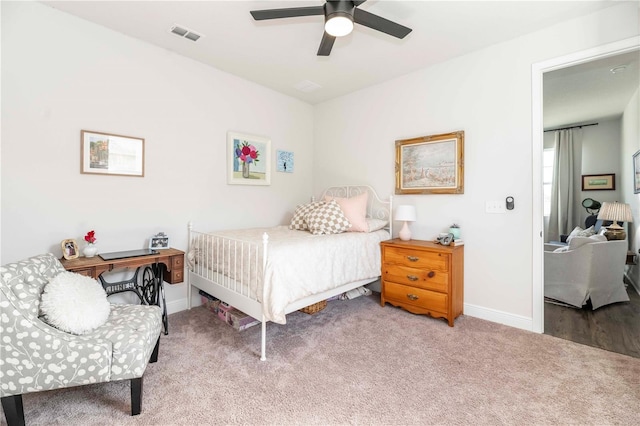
588	268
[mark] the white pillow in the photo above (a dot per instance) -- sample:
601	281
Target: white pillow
375	224
579	232
74	303
580	241
327	219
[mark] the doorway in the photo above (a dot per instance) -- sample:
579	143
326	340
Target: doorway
538	71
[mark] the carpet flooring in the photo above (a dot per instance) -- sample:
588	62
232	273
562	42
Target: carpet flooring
356	363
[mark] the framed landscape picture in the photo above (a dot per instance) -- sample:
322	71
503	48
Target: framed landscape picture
248	161
109	154
430	164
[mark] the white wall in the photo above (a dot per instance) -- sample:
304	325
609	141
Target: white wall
62	74
488	95
601	146
631	145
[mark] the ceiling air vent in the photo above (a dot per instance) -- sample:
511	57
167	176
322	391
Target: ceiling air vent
181	31
307	86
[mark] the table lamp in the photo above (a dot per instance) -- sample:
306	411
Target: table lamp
616	212
407	214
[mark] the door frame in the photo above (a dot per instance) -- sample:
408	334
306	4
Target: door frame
537	137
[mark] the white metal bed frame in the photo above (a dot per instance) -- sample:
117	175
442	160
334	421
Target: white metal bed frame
234	291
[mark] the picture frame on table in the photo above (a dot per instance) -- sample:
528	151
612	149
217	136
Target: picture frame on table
636	172
110	154
69	249
430	164
601	182
248	159
159	241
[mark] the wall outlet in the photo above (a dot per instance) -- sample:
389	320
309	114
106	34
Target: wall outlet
495	207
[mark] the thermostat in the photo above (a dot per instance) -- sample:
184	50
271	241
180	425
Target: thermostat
510	204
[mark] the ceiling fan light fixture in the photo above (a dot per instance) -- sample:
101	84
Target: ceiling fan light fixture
339	24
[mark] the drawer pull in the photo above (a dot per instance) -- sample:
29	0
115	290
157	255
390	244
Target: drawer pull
413	258
412	296
412	278
431	274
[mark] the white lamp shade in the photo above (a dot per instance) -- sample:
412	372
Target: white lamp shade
616	212
406	213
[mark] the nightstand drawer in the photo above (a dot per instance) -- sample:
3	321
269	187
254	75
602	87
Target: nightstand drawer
426	299
416	258
423	278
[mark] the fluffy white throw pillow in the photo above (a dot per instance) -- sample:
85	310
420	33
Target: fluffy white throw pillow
74	303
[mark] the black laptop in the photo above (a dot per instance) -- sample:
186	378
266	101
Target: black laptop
129	253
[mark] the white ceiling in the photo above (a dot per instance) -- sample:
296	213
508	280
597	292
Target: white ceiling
281	53
590	91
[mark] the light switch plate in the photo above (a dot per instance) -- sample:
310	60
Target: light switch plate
495	207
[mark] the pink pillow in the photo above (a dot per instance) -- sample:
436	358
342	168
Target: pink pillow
355	210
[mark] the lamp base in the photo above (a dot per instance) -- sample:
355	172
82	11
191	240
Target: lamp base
405	232
615	232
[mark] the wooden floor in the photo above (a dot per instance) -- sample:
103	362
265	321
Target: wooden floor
614	327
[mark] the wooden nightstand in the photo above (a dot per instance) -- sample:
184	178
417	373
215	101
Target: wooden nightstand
423	277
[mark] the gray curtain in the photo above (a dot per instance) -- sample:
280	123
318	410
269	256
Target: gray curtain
566	184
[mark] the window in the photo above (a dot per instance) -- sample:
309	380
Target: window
547	178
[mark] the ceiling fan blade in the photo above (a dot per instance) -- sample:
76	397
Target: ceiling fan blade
380	24
326	44
290	12
358	2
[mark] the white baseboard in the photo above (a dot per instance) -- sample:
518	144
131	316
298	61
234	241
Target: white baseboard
176	306
500	317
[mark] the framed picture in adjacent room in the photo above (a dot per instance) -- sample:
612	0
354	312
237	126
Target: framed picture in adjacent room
109	154
249	159
603	182
430	164
636	172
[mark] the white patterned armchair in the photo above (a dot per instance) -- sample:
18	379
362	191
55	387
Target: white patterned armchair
36	357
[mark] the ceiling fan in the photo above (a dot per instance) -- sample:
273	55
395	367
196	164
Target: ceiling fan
339	17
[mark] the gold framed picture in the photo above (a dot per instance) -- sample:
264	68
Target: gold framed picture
69	249
430	164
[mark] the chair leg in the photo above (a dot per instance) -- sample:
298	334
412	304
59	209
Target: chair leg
13	411
136	396
154	354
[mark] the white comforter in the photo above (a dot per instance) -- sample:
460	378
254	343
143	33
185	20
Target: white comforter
300	264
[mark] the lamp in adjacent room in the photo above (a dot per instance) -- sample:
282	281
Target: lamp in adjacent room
615	212
406	214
